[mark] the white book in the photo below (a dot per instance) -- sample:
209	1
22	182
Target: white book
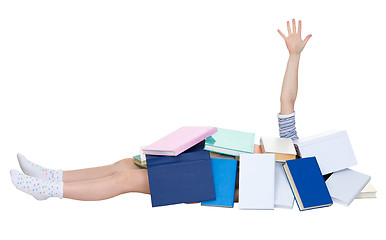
367	192
283	193
142	156
333	151
277	145
345	185
257	181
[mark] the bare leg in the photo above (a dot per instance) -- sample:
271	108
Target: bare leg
99	172
134	180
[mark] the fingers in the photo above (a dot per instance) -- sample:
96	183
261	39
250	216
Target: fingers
306	39
289	28
300	28
293	30
281	34
293	26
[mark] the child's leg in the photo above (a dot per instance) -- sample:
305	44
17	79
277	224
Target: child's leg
108	187
37	171
99	172
92	190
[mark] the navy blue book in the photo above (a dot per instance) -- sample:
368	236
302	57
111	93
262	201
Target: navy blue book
224	177
307	183
184	178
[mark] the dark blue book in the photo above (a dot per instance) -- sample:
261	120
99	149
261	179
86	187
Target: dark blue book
180	179
307	183
224	177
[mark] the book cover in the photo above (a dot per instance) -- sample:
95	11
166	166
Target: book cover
196	148
224	177
307	183
345	185
283	194
180	179
332	150
257	180
230	142
179	141
367	192
283	148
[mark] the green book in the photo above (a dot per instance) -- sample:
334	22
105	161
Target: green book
230	142
137	161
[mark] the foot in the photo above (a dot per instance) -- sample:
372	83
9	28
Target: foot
36	187
34	170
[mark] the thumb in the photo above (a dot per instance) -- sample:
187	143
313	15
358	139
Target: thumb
306	39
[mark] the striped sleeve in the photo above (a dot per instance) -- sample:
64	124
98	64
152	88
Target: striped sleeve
287	128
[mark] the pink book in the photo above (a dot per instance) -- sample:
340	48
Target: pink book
179	141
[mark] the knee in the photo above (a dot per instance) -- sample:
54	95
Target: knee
132	181
122	179
126	163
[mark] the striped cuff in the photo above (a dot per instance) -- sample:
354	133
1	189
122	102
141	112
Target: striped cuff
287	128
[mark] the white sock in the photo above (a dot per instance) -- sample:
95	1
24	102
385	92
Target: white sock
38	188
34	170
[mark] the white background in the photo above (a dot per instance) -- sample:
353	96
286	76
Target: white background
85	83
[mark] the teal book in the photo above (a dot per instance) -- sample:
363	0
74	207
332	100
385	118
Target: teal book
224	178
230	142
137	161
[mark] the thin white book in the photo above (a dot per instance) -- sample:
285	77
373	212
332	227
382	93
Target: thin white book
277	145
332	150
257	181
283	148
283	193
142	156
345	185
367	192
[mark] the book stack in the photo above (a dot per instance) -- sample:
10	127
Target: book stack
179	170
140	160
207	164
335	156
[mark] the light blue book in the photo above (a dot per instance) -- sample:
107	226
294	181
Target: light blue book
230	142
224	178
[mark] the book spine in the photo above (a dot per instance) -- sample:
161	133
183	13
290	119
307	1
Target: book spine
289	183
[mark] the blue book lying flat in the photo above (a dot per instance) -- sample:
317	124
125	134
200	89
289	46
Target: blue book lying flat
180	179
224	177
307	183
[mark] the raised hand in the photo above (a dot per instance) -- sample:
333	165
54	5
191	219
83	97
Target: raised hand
294	42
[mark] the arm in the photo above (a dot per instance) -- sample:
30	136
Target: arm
295	46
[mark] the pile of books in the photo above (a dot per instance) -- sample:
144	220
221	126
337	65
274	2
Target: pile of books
207	164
